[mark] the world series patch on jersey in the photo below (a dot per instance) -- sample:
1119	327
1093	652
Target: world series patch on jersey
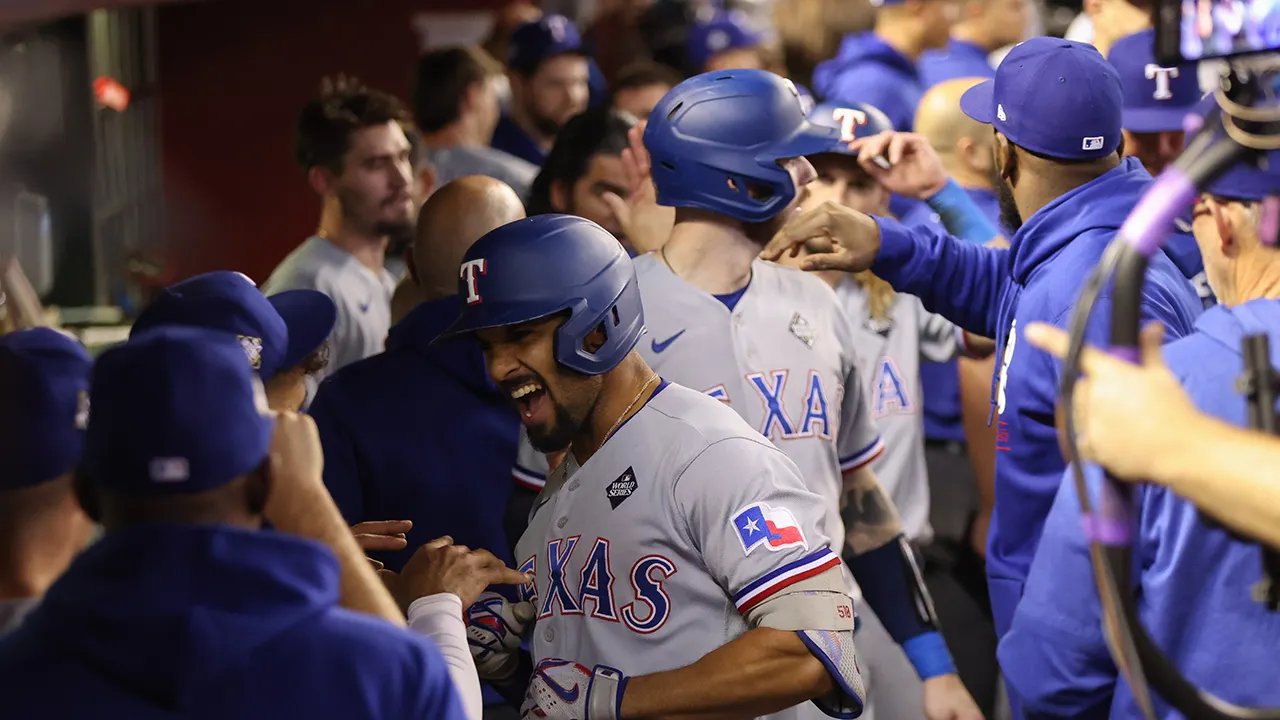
648	557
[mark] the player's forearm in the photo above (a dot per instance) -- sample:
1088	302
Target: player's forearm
759	673
959	280
305	509
870	519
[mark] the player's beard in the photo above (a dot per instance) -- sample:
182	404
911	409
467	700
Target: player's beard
350	201
556	437
544	124
1010	218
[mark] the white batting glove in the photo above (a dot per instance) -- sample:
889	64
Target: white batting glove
566	690
494	627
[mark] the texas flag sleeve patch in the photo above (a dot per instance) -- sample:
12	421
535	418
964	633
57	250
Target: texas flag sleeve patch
759	525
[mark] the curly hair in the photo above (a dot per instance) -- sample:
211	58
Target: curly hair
344	106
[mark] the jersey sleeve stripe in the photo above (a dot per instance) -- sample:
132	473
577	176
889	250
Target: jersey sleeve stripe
863	456
773	581
528	479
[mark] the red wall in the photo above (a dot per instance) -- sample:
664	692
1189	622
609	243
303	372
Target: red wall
233	76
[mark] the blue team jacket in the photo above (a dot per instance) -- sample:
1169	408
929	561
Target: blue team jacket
993	291
420	433
868	70
1192	578
939	382
511	138
959	59
168	621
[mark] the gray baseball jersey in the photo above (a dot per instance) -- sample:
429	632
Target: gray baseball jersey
889	353
783	358
363	298
647	557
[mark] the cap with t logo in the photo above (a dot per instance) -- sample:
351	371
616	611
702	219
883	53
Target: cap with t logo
1054	97
1156	97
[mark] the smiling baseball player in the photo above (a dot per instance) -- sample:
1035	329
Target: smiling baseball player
678	561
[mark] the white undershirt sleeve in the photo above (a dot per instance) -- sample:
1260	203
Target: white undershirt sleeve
438	618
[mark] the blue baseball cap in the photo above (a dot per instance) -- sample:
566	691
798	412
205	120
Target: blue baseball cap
724	32
544	38
1054	97
175	410
230	302
44	404
1156	98
310	316
1249	183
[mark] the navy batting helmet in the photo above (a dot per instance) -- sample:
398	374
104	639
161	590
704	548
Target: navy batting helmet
716	133
539	266
854	121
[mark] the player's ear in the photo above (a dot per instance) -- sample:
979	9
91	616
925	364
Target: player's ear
1092	8
1006	158
321	180
559	196
594	339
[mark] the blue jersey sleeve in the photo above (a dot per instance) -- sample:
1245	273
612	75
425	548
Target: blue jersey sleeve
341	469
1055	656
956	279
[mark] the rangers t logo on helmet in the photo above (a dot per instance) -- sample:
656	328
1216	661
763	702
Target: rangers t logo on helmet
469	271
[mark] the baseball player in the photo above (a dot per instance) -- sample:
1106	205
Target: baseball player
44	404
680	563
1050	174
773	343
1187	565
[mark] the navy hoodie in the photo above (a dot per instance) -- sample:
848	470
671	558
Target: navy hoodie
1193	579
868	70
995	293
171	621
420	433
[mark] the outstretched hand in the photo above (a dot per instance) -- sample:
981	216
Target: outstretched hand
644	222
913	170
440	566
853	236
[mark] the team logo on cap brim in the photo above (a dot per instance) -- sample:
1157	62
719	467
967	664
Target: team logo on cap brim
252	347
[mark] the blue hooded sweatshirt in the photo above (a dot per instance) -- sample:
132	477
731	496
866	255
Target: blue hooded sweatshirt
1191	577
868	70
170	621
420	433
940	381
959	59
995	292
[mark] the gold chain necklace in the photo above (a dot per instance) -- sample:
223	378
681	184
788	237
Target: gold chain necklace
623	416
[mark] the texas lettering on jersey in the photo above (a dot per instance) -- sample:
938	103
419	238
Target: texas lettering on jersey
778	423
581	582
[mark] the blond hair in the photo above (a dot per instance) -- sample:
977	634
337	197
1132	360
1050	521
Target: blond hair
880	294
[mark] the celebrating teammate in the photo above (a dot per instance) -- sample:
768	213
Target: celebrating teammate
680	564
